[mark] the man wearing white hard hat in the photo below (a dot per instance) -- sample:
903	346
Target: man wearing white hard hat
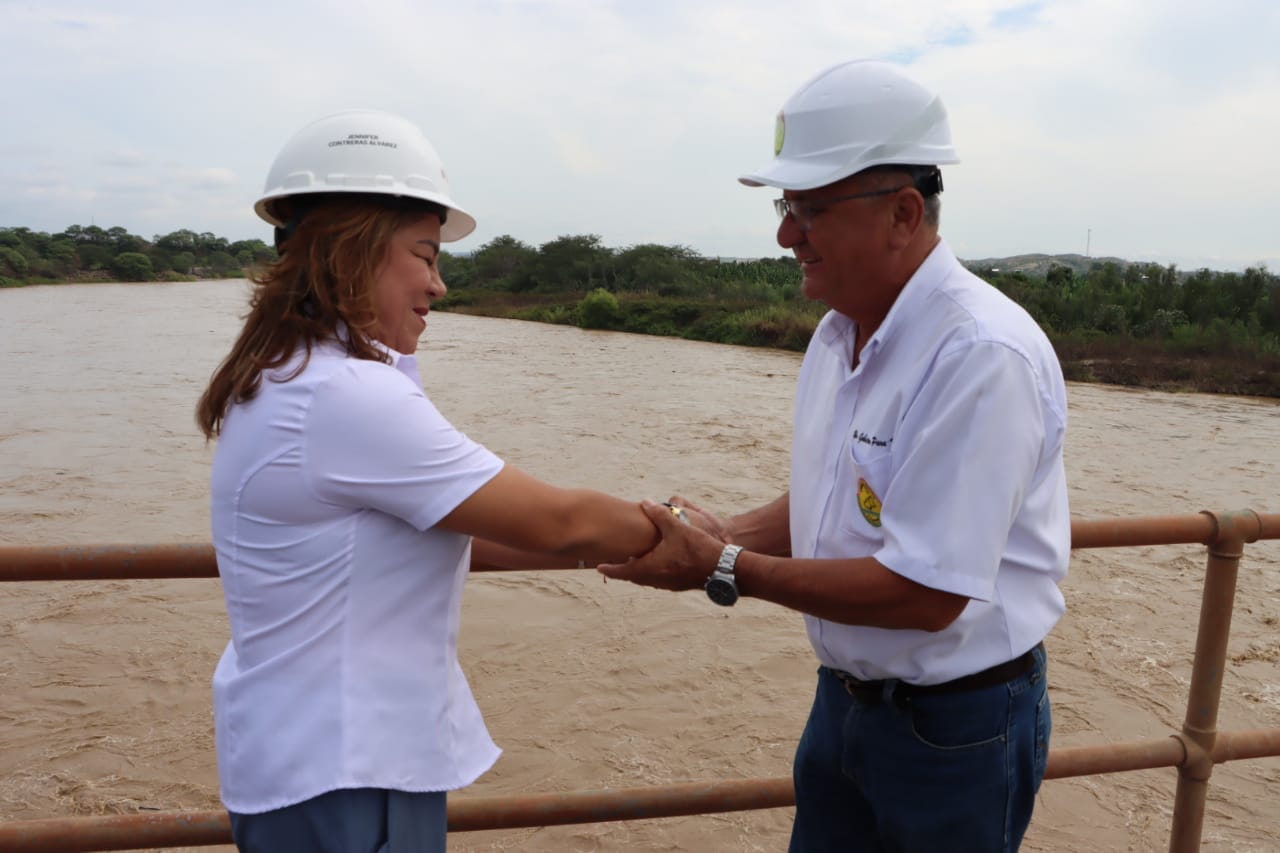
926	528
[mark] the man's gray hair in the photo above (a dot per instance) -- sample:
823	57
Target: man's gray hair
932	202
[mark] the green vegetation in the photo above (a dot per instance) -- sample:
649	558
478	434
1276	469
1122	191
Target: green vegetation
1153	326
113	254
1129	324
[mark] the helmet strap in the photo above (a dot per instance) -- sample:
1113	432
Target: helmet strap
282	234
930	184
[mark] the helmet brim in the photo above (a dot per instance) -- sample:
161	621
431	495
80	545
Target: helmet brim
788	174
458	224
792	175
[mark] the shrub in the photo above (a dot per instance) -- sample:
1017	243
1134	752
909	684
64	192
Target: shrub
781	327
561	315
599	309
13	263
132	266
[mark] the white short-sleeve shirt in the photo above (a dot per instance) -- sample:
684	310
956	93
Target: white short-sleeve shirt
344	600
940	456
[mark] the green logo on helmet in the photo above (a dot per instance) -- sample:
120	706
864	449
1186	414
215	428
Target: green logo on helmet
779	134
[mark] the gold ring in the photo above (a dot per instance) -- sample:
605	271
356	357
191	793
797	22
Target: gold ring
678	512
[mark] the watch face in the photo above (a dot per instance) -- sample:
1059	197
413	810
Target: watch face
721	591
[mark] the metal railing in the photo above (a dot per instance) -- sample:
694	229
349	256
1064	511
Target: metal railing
1194	750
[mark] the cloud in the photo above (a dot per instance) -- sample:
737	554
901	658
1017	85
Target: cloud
124	159
37	181
128	185
1017	17
210	178
1150	123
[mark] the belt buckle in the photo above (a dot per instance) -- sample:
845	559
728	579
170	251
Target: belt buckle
857	688
848	681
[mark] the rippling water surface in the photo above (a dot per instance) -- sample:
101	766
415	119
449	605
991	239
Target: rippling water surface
586	685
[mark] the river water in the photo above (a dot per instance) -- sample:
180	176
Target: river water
105	685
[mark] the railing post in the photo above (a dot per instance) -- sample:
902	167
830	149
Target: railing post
1200	727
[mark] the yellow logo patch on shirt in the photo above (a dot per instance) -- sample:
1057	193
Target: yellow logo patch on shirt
869	503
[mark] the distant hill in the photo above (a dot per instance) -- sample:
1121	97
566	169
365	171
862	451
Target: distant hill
1038	265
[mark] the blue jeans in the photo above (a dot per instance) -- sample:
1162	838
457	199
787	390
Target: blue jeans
351	820
935	772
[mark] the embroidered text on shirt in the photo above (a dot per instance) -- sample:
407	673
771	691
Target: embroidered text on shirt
873	440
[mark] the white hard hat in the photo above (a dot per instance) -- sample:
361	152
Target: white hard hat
851	117
362	151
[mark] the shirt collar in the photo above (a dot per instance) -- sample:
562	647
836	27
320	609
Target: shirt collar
406	364
923	282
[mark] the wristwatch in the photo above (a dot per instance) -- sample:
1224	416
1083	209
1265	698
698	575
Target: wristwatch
721	586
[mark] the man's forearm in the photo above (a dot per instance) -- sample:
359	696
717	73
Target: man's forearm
766	529
857	591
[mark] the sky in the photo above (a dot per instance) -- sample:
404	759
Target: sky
1138	129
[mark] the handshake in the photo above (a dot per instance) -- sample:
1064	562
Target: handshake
695	551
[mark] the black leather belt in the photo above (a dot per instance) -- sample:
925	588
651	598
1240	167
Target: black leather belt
876	691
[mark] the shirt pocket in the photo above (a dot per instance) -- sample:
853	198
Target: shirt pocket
865	483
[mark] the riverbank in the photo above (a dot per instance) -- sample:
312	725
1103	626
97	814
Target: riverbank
1204	366
103	277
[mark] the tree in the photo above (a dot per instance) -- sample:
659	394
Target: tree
178	241
12	263
1061	276
1163	322
1112	319
1198	298
503	264
571	263
122	241
223	264
1269	305
1249	292
95	235
132	266
63	252
457	270
255	251
62	258
1155	293
668	270
94	257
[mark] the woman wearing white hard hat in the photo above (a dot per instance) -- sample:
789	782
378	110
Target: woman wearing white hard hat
344	506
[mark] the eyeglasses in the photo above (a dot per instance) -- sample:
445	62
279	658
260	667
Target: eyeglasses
802	210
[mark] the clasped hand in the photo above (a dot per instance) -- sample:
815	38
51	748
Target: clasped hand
685	556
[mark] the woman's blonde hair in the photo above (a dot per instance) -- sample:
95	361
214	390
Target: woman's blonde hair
323	280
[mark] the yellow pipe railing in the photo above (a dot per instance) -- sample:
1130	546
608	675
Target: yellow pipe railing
1194	750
